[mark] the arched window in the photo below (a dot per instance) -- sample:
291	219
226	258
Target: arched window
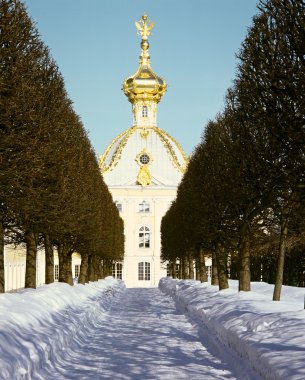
144	271
144	237
144	111
144	207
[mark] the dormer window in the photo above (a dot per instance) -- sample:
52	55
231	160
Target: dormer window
144	111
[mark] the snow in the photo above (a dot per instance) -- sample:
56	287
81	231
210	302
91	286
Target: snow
269	335
183	330
37	325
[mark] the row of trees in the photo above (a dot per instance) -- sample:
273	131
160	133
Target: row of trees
243	193
51	189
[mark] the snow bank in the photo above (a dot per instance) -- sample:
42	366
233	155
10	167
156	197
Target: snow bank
270	335
36	325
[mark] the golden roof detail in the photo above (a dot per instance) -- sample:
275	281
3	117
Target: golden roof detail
114	150
144	84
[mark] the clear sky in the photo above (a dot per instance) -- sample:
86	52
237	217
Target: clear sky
193	47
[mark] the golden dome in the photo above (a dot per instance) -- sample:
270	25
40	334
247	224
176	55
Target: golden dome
144	84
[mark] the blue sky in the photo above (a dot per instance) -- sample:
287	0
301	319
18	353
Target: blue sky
193	47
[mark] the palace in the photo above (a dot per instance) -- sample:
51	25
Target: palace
143	167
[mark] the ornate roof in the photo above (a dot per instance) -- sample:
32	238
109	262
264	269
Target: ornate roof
132	154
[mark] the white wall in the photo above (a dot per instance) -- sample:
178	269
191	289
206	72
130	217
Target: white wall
159	200
15	264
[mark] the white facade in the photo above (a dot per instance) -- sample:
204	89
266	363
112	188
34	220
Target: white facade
142	211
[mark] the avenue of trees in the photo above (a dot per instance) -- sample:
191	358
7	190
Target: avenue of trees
52	194
242	199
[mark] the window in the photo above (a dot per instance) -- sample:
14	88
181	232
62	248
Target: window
76	270
144	207
56	272
119	206
144	111
117	269
144	237
144	271
144	159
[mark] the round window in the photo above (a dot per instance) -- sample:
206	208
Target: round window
144	159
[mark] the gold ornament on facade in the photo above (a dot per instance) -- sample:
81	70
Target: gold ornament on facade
122	138
144	133
144	159
144	177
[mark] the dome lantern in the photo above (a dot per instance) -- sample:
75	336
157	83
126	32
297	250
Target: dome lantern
144	86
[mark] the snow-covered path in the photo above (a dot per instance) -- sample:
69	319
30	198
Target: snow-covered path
143	336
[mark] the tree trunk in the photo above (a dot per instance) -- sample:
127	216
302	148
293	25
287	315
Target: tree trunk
191	267
180	269
82	279
49	260
108	268
97	268
100	269
2	276
244	259
103	269
202	272
221	267
214	279
65	264
90	268
280	260
172	266
197	268
31	255
184	268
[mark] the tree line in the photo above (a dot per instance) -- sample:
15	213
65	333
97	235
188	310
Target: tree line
242	198
52	194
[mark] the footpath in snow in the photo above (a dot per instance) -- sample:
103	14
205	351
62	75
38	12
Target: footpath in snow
183	330
104	331
269	335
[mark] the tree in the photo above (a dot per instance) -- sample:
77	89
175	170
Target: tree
271	85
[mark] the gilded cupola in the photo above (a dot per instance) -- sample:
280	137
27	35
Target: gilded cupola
144	85
144	155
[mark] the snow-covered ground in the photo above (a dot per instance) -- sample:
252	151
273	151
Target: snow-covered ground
183	330
37	326
269	335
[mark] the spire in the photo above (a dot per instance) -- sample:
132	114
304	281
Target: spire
144	90
144	84
144	27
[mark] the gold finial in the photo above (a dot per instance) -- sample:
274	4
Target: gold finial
144	27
